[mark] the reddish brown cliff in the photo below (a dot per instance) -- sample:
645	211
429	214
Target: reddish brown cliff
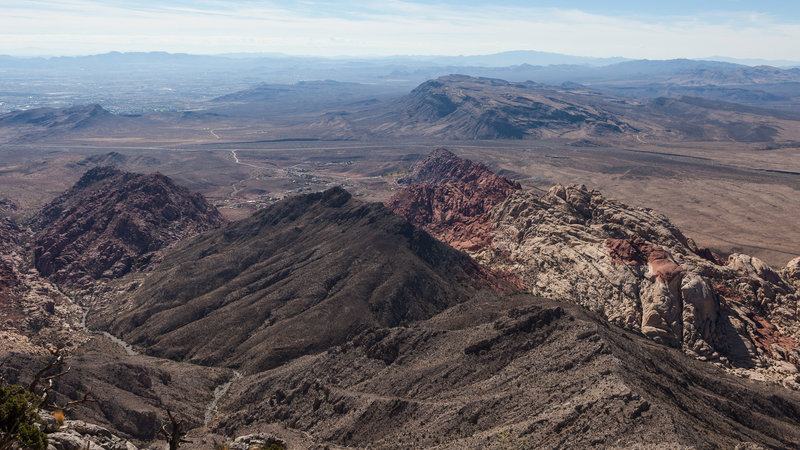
450	197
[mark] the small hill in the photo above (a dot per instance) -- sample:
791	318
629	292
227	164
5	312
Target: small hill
74	117
293	279
42	123
113	221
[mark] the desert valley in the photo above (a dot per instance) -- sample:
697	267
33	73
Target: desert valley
604	257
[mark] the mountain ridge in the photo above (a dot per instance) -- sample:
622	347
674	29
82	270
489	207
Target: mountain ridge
378	269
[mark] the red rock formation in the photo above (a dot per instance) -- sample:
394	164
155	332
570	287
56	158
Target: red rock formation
708	255
726	292
450	197
112	221
443	166
636	252
769	339
629	264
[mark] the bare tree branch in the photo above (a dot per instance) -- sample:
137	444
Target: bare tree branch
173	432
56	362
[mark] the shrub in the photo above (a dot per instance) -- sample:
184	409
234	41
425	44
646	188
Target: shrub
18	418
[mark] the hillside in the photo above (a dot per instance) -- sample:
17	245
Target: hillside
511	373
293	279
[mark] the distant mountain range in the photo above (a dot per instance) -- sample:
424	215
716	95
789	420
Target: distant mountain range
704	103
140	82
501	59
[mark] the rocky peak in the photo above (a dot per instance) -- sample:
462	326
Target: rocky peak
96	174
443	166
450	197
300	275
112	221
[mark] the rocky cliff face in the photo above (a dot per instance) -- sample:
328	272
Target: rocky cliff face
112	221
31	308
637	269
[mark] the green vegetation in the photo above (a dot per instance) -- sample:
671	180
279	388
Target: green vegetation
18	418
272	446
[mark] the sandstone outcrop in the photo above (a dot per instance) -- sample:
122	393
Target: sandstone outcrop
629	264
112	221
79	435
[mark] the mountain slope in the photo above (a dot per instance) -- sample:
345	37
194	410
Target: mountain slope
112	221
293	279
513	373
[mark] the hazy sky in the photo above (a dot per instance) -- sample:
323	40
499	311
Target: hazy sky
768	29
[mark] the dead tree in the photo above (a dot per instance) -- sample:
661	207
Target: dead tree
173	432
43	382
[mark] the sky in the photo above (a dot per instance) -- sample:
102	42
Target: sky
766	29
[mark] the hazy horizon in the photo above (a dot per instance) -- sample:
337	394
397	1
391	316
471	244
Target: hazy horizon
451	60
680	29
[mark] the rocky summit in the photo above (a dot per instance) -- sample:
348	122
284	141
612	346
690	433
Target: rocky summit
632	266
113	221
